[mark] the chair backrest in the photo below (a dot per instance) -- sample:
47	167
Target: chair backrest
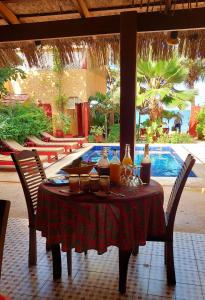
177	191
31	174
4	214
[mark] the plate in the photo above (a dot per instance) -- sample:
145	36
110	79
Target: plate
56	181
101	194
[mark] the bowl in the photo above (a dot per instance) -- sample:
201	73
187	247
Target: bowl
83	168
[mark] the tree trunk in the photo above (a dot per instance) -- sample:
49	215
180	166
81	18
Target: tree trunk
106	126
155	110
192	87
112	118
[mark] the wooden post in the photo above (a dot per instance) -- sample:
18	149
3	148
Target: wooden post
128	48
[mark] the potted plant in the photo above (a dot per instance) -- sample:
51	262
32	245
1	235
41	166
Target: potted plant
97	131
62	124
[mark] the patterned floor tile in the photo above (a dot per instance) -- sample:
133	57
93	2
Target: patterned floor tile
160	288
95	276
200	265
158	273
188	277
188	292
157	260
185	264
136	271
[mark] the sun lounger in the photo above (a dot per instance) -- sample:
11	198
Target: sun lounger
6	161
50	138
34	141
51	153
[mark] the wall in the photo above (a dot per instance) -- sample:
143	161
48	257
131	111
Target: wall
81	83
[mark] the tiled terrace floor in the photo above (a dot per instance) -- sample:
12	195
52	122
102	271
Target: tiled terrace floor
96	277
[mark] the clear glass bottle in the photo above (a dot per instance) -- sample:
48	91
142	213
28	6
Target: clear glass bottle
127	160
104	164
115	168
145	169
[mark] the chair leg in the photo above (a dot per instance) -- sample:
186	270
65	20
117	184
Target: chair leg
124	257
56	255
171	279
48	248
85	252
69	262
32	257
165	253
135	251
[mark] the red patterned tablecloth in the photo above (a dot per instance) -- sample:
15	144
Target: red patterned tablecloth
87	221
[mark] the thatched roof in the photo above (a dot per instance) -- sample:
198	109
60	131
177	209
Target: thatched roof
102	49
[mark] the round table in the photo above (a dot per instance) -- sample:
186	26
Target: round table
88	221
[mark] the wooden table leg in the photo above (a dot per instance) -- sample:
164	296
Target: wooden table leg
135	251
124	257
56	254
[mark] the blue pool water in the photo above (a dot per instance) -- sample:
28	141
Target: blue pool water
165	161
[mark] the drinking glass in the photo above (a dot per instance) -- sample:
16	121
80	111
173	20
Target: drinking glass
94	183
74	182
84	182
105	183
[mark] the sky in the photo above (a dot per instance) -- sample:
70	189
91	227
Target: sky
200	98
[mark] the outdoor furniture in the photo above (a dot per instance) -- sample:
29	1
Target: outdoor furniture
52	153
31	174
88	221
7	163
50	138
4	214
34	141
170	214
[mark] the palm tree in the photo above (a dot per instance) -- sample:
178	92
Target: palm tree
103	104
157	80
168	115
196	72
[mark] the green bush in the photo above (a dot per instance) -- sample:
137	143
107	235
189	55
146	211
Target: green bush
201	124
97	130
175	138
62	122
91	138
114	134
21	120
154	130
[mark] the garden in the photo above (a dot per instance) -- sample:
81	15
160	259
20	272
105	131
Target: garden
160	101
165	88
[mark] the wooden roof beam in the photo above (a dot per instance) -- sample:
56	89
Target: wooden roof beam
146	22
8	15
82	8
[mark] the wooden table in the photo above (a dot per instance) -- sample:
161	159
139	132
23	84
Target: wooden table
87	221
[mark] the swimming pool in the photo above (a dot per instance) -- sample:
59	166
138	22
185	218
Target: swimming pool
165	161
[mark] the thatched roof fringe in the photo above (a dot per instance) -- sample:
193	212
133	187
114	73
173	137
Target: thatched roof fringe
103	50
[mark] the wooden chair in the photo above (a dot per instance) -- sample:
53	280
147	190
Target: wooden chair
170	218
31	173
4	214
